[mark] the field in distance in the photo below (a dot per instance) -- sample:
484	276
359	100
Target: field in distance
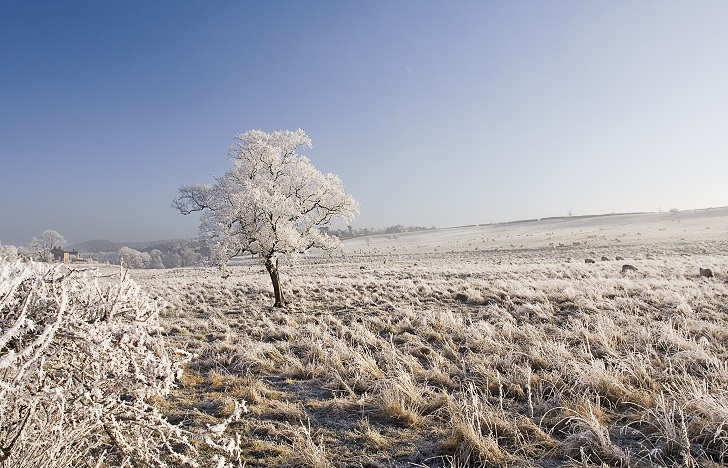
487	345
609	235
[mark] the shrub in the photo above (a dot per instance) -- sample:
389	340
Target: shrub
81	361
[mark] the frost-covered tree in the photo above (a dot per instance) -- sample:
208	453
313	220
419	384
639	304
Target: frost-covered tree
107	257
155	259
187	255
181	254
41	248
271	203
172	260
132	258
8	252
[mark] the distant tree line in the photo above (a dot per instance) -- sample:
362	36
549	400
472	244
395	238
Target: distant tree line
158	255
351	232
169	254
162	254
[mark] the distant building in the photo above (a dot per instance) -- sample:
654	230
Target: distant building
66	256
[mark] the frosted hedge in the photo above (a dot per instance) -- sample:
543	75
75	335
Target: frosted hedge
81	361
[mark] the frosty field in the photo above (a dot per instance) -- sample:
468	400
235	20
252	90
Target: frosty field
477	346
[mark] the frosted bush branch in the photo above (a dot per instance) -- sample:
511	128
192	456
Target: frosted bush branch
81	360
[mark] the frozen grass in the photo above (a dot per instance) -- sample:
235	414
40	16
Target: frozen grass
410	356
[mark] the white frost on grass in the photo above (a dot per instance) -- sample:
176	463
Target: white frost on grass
494	356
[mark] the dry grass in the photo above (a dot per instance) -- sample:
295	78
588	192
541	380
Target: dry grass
459	357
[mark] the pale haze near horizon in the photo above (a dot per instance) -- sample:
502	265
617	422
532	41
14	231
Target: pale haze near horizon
431	113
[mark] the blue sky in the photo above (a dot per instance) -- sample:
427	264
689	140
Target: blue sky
431	113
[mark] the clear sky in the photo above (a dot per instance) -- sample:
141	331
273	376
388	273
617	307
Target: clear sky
431	112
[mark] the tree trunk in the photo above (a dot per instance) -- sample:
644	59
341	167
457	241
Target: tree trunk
272	266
